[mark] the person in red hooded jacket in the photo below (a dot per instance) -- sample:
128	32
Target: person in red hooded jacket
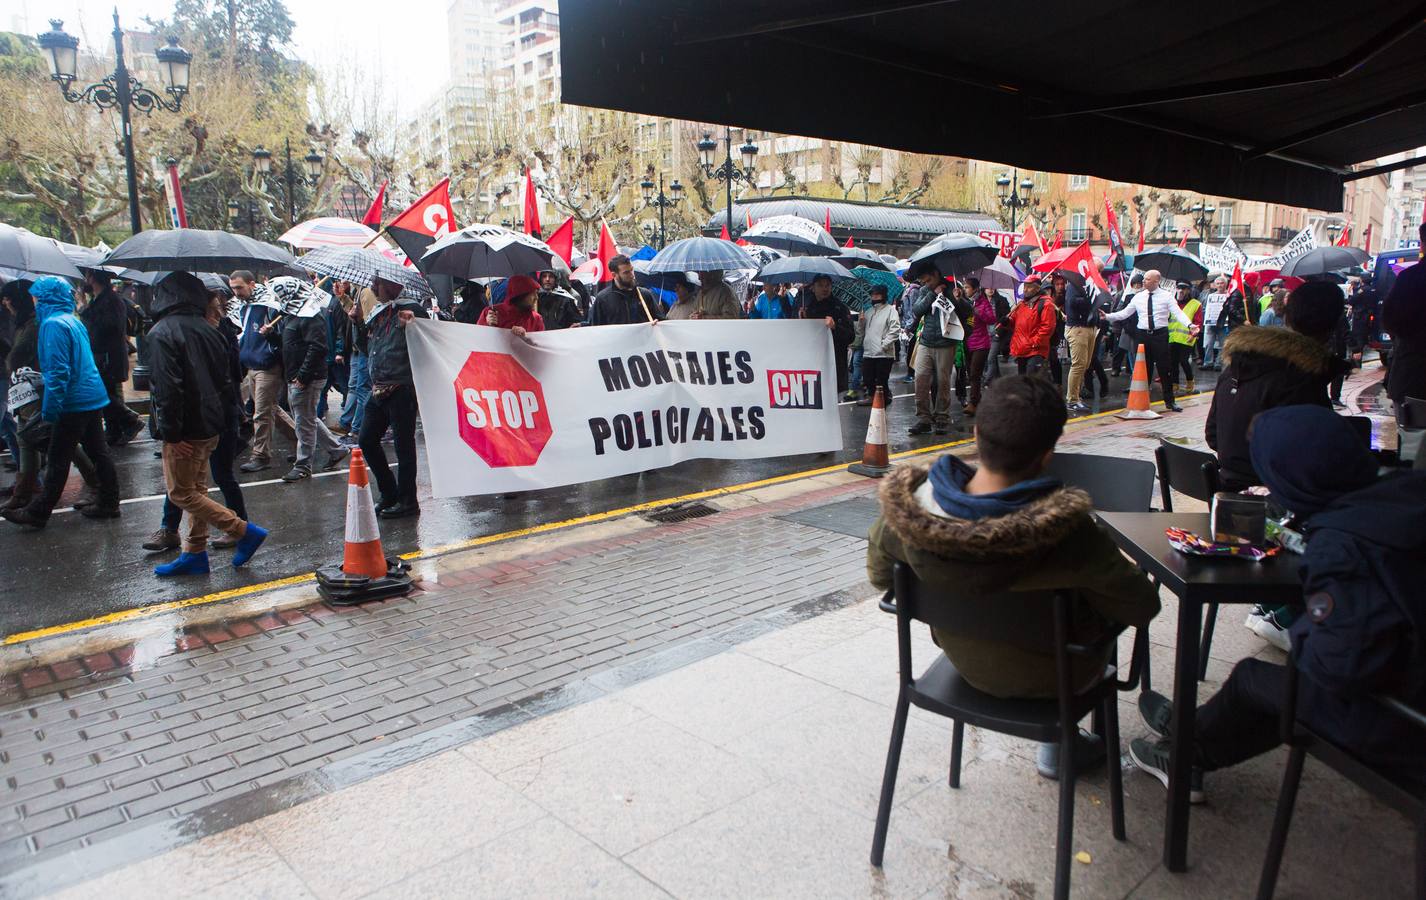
517	313
1033	321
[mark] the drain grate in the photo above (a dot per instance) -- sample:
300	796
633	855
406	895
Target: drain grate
679	512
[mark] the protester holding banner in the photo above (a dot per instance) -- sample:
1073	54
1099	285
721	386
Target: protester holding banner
623	302
818	303
393	399
517	313
557	306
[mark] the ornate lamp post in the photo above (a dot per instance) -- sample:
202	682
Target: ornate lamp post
119	89
312	163
1015	194
661	201
1203	213
726	171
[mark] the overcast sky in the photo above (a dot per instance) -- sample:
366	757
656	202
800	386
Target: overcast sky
406	41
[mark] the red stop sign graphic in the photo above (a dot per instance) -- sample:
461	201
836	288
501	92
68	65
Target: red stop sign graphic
501	410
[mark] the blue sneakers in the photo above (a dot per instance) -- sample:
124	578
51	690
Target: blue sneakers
186	564
248	544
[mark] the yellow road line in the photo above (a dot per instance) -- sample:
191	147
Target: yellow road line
129	615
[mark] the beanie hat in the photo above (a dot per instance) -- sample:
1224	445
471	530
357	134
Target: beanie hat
519	286
1308	456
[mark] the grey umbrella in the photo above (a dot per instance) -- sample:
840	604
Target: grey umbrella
801	270
953	254
27	252
198	250
1324	261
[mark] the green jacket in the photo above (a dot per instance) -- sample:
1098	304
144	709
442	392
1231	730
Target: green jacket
1050	544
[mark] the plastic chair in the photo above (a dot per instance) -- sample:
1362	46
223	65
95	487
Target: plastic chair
1019	619
1114	484
1303	741
1194	473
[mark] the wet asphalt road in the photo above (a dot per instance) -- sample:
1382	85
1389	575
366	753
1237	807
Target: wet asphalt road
77	569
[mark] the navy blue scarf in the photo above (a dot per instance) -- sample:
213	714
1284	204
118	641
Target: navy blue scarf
949	476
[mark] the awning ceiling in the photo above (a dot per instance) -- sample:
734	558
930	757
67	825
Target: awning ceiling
1253	99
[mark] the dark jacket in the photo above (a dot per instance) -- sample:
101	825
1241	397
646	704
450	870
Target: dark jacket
615	306
1403	316
1235	312
339	333
558	310
107	320
254	350
1079	308
25	348
1052	542
1366	628
930	335
303	342
844	331
192	389
387	356
1263	368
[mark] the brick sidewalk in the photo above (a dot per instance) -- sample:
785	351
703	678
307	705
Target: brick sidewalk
102	746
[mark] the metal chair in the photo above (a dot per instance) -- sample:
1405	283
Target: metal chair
1303	741
1194	473
1035	620
1114	484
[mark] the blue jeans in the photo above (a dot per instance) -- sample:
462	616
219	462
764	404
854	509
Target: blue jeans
1213	338
855	382
8	436
338	377
358	389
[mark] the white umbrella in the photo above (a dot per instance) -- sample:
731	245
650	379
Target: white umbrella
332	231
793	234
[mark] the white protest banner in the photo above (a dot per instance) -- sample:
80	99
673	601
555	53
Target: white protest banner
1005	240
564	407
1303	241
1221	259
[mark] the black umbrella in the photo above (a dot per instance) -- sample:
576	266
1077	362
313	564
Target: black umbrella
1172	263
953	254
1324	261
851	257
27	252
800	270
198	250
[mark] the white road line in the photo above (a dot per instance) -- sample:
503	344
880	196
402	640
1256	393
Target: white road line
213	490
893	396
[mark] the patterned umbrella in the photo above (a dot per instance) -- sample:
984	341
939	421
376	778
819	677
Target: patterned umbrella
701	254
793	234
332	231
895	287
854	292
362	266
484	251
292	296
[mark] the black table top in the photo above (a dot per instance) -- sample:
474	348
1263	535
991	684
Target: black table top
1208	580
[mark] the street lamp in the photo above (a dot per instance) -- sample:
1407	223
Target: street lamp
262	165
1015	194
119	89
1203	213
1333	230
726	171
662	201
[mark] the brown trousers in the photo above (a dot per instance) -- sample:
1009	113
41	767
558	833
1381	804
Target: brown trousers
186	479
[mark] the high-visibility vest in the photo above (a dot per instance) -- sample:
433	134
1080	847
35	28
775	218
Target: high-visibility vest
1178	332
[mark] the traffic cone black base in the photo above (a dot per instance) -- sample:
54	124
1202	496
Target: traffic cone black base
875	462
341	589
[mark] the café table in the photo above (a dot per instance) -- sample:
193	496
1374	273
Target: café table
1195	581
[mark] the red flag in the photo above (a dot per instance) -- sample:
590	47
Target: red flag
1345	239
424	221
562	241
1183	241
1031	238
377	208
1080	260
1367	240
749	219
724	235
1116	239
1236	282
607	251
849	242
1139	224
532	206
828	222
1059	234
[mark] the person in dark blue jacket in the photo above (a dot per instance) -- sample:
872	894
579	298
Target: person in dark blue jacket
1362	634
73	405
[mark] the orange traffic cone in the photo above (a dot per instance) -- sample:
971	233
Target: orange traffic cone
874	462
363	554
1138	405
365	573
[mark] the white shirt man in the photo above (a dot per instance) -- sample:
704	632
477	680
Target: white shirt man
1154	298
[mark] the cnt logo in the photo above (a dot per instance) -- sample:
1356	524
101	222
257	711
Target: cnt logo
794	388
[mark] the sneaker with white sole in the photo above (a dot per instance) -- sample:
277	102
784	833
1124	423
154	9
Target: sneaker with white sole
1269	630
1152	757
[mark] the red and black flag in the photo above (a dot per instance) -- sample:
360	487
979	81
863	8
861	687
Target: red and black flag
1116	240
424	221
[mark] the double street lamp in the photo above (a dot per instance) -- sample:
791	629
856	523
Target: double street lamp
1203	213
119	89
661	201
727	172
312	162
1015	194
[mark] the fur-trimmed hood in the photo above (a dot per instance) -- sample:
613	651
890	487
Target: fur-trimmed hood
1279	345
1040	525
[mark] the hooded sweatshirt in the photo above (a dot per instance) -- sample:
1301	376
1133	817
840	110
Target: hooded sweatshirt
1263	368
1365	562
1034	536
72	383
